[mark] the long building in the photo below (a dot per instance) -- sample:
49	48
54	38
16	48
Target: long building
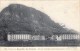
24	37
27	37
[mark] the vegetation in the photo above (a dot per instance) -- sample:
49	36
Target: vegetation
18	19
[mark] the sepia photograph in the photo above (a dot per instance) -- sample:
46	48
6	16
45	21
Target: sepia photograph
39	23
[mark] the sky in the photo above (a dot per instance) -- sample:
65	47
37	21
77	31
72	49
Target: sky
64	12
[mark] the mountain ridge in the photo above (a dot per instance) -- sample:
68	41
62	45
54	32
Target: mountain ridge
20	19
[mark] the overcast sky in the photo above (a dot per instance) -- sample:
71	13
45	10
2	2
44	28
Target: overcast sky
64	12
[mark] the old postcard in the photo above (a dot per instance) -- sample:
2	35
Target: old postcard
39	25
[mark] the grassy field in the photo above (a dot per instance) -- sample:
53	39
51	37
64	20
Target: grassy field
41	43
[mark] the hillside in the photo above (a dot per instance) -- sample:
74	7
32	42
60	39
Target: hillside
20	19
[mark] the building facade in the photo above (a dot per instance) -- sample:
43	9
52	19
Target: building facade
27	37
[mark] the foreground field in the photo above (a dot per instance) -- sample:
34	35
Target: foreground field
41	43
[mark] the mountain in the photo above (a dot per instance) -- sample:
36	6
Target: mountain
20	19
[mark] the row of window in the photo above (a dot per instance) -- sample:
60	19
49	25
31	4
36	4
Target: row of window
26	37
